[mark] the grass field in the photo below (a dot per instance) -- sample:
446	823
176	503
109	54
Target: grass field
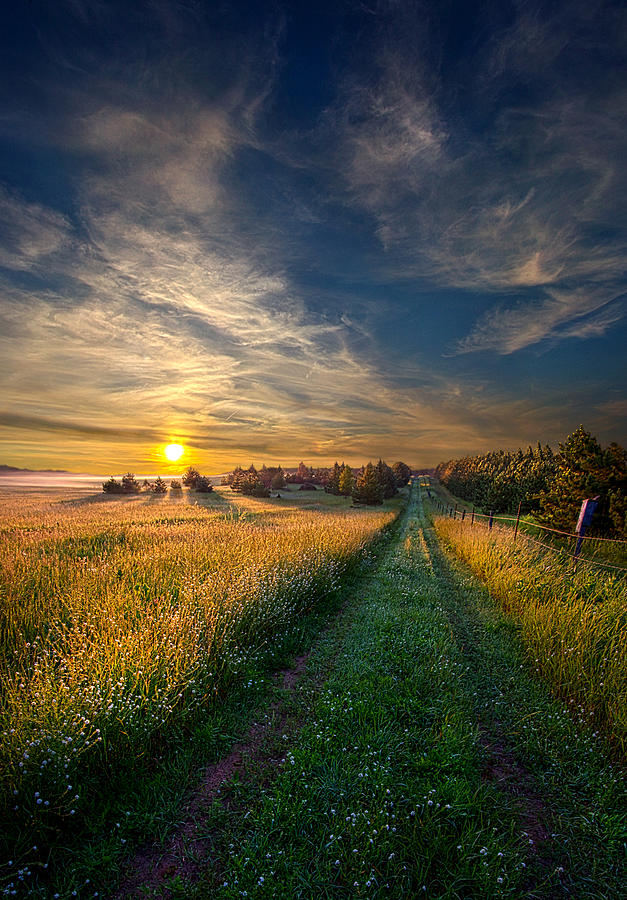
121	619
166	743
573	624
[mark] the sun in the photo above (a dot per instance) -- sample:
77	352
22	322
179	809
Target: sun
174	452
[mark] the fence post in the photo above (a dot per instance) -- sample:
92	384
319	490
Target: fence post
463	514
472	521
455	512
490	519
517	519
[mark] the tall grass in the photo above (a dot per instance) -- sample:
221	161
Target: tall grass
122	620
573	624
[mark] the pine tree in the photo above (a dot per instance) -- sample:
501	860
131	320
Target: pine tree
189	477
368	489
129	484
159	487
333	484
579	475
345	486
386	479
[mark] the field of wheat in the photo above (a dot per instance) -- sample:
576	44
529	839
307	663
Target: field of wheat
122	618
573	624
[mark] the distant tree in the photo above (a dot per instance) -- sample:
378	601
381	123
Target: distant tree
112	486
302	473
402	473
278	480
386	479
345	486
368	489
333	482
189	477
203	485
129	484
175	486
160	486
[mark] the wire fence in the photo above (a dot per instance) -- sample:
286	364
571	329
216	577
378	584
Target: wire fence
483	520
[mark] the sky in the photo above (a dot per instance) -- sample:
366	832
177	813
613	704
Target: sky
277	231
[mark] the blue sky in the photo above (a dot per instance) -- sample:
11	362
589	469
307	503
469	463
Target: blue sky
277	231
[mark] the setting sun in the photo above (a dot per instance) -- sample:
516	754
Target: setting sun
174	452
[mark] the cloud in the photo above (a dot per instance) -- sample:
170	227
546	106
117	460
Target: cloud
532	200
31	233
561	315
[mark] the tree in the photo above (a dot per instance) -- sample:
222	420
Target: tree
176	486
333	482
203	485
402	473
386	479
129	484
189	477
368	489
579	474
345	486
278	480
302	474
112	486
159	487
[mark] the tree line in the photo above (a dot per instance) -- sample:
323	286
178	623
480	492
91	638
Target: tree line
130	485
551	485
368	485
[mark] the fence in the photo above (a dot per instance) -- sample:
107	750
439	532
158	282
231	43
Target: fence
487	521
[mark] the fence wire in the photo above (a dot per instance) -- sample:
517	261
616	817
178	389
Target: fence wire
560	551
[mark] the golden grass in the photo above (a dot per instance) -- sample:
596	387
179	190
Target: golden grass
573	624
120	617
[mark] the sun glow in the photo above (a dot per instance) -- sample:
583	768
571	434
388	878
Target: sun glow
174	452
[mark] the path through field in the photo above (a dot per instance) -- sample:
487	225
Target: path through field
414	752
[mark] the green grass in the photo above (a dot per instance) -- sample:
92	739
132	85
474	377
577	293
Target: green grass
422	755
572	625
392	784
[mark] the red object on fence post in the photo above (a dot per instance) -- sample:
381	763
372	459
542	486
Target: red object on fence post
517	519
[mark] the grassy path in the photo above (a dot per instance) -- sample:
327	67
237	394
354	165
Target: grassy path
417	755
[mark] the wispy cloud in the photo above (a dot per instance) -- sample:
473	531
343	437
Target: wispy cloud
533	203
560	315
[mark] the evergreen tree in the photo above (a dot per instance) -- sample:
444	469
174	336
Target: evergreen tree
345	486
386	479
579	475
368	489
129	484
159	487
189	477
402	473
333	483
112	486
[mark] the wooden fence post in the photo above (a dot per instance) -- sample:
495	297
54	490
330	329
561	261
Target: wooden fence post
517	519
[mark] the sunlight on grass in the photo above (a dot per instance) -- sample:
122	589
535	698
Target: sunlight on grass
572	624
122	619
